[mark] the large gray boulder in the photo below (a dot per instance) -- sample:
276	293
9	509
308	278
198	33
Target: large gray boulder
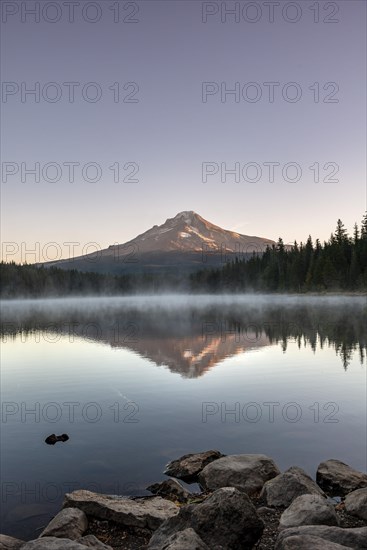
308	542
244	472
284	488
189	466
142	514
356	503
227	519
53	543
10	543
70	523
355	537
338	479
185	540
308	510
171	489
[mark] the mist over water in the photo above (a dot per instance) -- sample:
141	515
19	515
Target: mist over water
137	381
168	301
120	321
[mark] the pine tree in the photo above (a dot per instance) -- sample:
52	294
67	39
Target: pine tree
364	227
340	232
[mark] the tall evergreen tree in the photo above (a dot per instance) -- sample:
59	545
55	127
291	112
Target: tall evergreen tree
364	227
340	233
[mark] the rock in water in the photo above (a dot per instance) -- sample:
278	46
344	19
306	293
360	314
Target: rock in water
52	439
284	488
227	519
189	466
244	472
143	513
356	503
308	510
171	489
70	523
339	479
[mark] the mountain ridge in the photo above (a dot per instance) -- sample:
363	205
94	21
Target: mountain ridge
190	235
187	240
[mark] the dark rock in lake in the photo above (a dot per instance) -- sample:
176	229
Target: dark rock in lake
52	439
170	489
338	479
189	466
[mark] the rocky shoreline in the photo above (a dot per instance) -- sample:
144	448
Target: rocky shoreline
246	502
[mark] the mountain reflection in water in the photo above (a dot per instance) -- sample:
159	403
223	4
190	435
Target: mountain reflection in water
192	334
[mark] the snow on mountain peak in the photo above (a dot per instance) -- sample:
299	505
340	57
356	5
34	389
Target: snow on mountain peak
186	215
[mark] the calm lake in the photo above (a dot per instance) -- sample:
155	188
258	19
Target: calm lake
138	381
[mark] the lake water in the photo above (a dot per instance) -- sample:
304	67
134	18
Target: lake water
138	381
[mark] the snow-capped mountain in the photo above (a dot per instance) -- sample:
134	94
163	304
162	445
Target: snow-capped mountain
187	240
189	232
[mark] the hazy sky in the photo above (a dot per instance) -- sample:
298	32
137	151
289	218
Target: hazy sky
180	58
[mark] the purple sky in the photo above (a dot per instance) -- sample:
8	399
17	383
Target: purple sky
169	132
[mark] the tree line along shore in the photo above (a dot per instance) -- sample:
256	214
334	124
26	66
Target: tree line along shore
338	265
